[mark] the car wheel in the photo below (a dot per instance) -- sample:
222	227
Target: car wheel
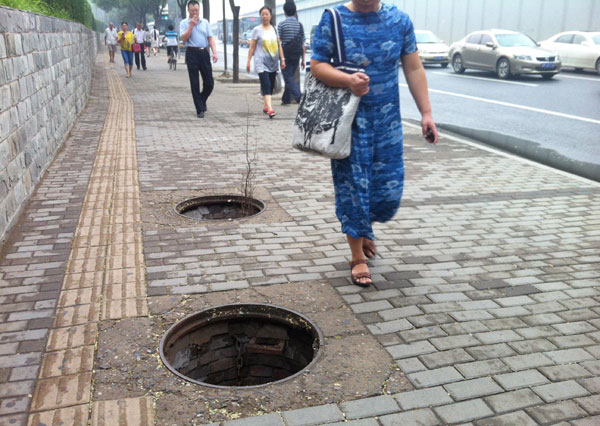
598	66
457	64
503	69
444	65
547	76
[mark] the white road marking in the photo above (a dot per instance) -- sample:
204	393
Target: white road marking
507	154
561	75
487	79
510	105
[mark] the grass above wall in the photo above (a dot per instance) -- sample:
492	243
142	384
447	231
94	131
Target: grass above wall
75	10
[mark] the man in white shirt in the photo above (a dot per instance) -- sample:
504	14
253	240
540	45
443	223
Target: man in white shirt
140	38
110	41
199	40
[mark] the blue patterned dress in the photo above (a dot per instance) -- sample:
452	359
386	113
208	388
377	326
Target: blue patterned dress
368	185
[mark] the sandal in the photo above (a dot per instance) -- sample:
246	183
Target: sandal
266	110
356	277
369	248
272	114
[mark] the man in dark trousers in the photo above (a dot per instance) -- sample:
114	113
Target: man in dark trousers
292	39
198	38
140	38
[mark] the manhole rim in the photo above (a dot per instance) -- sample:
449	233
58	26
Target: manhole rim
233	306
258	203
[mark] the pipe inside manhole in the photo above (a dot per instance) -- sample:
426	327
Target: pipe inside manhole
241	345
220	207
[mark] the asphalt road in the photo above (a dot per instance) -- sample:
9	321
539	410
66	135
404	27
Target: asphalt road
560	116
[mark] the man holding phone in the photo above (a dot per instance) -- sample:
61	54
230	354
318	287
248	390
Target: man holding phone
198	39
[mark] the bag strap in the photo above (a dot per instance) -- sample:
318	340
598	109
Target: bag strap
339	52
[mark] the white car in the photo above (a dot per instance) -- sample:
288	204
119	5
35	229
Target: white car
577	49
432	50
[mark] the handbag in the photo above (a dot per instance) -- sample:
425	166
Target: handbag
323	125
136	47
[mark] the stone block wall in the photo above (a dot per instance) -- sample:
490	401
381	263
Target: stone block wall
45	78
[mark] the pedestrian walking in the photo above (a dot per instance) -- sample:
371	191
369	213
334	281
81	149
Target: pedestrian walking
265	46
138	46
147	41
110	41
155	41
125	39
198	38
293	39
368	184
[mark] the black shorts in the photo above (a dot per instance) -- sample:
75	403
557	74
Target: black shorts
267	82
172	48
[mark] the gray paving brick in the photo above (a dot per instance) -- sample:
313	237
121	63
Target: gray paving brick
380	305
397	313
534	345
313	415
499	350
591	404
572	341
452	342
591	384
439	376
442	359
273	419
542	319
411	365
518	418
422	334
554	413
565	372
475	388
482	368
502	336
361	422
369	407
592	366
423	398
553	392
410	350
521	379
566	356
525	362
537	332
389	326
423	417
577	327
511	401
587	421
464	411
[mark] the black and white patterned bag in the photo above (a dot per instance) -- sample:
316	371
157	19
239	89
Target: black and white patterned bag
323	125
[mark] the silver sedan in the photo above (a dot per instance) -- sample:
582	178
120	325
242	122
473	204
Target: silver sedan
507	53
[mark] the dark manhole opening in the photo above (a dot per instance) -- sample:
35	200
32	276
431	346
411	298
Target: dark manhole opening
241	345
220	207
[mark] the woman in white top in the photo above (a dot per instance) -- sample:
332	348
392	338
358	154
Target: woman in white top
265	46
155	40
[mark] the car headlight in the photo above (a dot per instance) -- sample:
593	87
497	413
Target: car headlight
523	57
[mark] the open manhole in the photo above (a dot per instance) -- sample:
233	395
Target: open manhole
220	207
241	345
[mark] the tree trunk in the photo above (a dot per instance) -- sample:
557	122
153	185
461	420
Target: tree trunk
236	41
271	4
206	9
182	8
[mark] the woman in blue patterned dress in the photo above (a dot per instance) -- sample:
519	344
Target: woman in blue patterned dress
368	184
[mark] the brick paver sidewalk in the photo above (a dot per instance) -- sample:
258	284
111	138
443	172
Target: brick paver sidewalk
485	300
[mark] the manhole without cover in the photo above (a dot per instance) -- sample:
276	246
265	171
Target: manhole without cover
241	345
220	207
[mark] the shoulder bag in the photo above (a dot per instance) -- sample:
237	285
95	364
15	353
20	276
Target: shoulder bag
323	125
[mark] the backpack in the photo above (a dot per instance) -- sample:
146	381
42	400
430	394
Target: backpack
293	48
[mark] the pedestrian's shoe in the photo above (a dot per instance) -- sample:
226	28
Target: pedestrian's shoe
200	114
266	110
360	279
272	114
145	69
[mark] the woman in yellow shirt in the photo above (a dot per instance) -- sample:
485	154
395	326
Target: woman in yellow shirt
125	39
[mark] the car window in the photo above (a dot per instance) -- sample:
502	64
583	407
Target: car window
567	38
426	38
485	39
515	40
578	39
474	38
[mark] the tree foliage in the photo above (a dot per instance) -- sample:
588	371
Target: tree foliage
76	10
